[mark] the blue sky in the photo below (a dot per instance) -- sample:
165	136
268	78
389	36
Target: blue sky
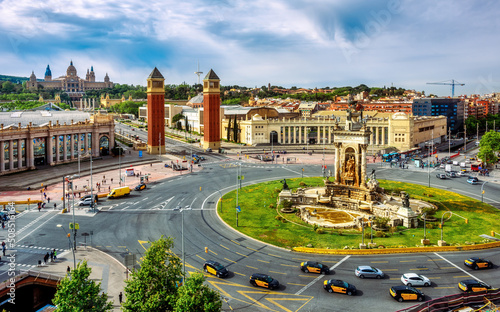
314	43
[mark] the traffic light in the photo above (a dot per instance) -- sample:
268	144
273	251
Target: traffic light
69	235
206	249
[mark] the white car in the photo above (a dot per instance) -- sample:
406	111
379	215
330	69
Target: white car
85	202
413	279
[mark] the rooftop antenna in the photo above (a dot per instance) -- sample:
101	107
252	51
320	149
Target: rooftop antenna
198	72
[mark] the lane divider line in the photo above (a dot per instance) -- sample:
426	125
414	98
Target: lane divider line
456	266
320	277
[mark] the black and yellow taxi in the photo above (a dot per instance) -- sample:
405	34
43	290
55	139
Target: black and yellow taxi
473	285
339	286
478	263
404	293
140	187
314	267
215	268
263	280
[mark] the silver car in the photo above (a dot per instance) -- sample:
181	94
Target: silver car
413	279
363	271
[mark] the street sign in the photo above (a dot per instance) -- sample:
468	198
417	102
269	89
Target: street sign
140	153
238	208
77	226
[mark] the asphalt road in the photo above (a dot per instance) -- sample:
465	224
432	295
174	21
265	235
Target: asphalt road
125	226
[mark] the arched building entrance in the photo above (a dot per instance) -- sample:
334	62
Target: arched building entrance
104	146
273	137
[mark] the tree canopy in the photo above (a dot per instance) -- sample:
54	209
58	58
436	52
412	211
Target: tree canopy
78	293
195	296
489	146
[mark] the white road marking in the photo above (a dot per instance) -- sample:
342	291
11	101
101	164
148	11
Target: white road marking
20	239
320	277
458	267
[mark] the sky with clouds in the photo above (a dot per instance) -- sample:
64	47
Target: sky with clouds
313	43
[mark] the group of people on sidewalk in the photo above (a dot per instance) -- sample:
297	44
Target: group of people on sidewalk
52	256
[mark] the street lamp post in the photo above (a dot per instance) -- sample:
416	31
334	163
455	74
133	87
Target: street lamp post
362	232
69	240
371	228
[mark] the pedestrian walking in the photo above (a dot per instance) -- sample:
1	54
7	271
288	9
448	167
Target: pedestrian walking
109	188
68	269
39	207
55	254
45	195
3	248
55	206
111	180
46	258
48	200
120	297
3	225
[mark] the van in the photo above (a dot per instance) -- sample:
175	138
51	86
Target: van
455	163
119	192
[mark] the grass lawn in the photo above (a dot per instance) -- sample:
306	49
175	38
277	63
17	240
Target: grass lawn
259	219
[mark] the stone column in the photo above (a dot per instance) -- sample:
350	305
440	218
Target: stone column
20	154
30	153
377	136
337	162
58	154
48	143
11	155
2	157
72	148
65	147
363	164
111	137
95	143
85	142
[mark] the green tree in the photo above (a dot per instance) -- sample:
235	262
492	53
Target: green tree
186	123
154	286
235	130
177	117
7	87
195	296
229	129
77	292
491	139
487	155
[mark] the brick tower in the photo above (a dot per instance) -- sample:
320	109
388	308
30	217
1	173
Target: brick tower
211	111
156	113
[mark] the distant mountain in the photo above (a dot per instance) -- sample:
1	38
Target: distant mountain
14	79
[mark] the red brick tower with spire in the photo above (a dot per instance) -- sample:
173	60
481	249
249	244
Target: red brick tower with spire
156	112
211	111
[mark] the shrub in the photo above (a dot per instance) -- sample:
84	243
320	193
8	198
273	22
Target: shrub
271	206
320	231
315	227
287	204
340	232
302	183
380	234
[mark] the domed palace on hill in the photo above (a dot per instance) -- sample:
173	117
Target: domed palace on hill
70	83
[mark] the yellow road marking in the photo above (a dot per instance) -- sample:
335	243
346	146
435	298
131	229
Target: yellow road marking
300	259
235	242
251	267
274	255
460	276
408	261
330	261
394	278
308	276
201	258
241	254
263	261
122	246
434	277
277	272
445	268
380	262
239	273
296	284
442	287
108	246
419	269
224	247
253	249
289	265
213	252
230	260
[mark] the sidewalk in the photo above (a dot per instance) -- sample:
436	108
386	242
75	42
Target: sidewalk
105	269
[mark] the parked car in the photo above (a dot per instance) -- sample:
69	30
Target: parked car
472	180
263	280
208	150
314	267
363	271
441	176
413	279
339	286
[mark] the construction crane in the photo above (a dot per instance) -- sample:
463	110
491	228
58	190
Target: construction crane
453	83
